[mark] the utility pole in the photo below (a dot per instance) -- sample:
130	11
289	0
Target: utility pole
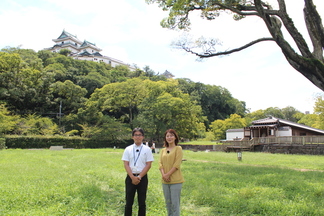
60	113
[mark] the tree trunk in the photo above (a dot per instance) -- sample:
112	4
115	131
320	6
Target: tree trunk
309	64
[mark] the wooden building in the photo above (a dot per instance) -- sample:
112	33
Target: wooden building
275	127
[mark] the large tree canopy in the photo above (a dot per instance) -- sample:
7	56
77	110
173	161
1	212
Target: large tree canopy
308	61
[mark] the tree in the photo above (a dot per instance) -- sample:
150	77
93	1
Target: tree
319	110
218	130
119	99
65	52
292	114
273	111
170	110
92	81
309	120
71	95
148	71
258	114
108	128
310	63
219	127
57	70
36	125
120	74
45	54
216	101
7	122
24	87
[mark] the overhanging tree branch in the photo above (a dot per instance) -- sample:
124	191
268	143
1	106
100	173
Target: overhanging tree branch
208	54
308	63
315	28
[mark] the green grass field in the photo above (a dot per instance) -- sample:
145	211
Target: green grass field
200	142
91	182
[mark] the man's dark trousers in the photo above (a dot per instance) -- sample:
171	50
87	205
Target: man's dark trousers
141	190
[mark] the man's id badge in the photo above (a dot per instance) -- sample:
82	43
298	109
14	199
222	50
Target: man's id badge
134	169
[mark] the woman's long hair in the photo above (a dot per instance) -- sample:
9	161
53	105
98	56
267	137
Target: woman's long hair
176	141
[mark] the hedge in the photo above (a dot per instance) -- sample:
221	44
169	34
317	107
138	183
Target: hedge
2	143
36	142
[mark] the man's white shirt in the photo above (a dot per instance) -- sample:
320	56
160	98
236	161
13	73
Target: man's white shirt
137	156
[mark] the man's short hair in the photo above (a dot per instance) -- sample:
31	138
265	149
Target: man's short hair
138	129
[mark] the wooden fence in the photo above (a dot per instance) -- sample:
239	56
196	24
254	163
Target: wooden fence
278	140
287	145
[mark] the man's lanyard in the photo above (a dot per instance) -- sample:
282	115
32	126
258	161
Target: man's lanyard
135	160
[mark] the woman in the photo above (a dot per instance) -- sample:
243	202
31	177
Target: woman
169	165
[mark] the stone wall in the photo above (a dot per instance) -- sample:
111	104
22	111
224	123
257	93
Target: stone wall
197	147
310	149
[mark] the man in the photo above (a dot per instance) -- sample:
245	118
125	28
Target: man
137	162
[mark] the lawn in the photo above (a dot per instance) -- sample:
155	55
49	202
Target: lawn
200	142
91	182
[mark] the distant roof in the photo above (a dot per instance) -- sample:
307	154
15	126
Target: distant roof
235	130
84	53
273	120
86	43
269	120
264	126
66	34
97	54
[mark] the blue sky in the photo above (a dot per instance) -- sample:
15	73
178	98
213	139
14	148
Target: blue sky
129	30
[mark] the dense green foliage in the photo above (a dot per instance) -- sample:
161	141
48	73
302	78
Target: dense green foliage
91	182
47	93
2	143
72	142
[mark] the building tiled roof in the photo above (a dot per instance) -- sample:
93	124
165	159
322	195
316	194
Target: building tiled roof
85	53
65	34
235	130
264	126
269	120
97	54
87	43
273	120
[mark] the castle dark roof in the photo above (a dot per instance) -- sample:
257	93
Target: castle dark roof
86	43
97	54
65	34
85	53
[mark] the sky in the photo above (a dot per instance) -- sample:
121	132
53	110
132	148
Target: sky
129	30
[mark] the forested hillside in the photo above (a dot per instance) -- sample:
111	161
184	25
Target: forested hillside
51	93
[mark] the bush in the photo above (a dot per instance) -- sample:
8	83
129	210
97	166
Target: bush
2	143
25	142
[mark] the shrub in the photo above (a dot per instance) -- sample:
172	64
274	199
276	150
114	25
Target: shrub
24	142
2	143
